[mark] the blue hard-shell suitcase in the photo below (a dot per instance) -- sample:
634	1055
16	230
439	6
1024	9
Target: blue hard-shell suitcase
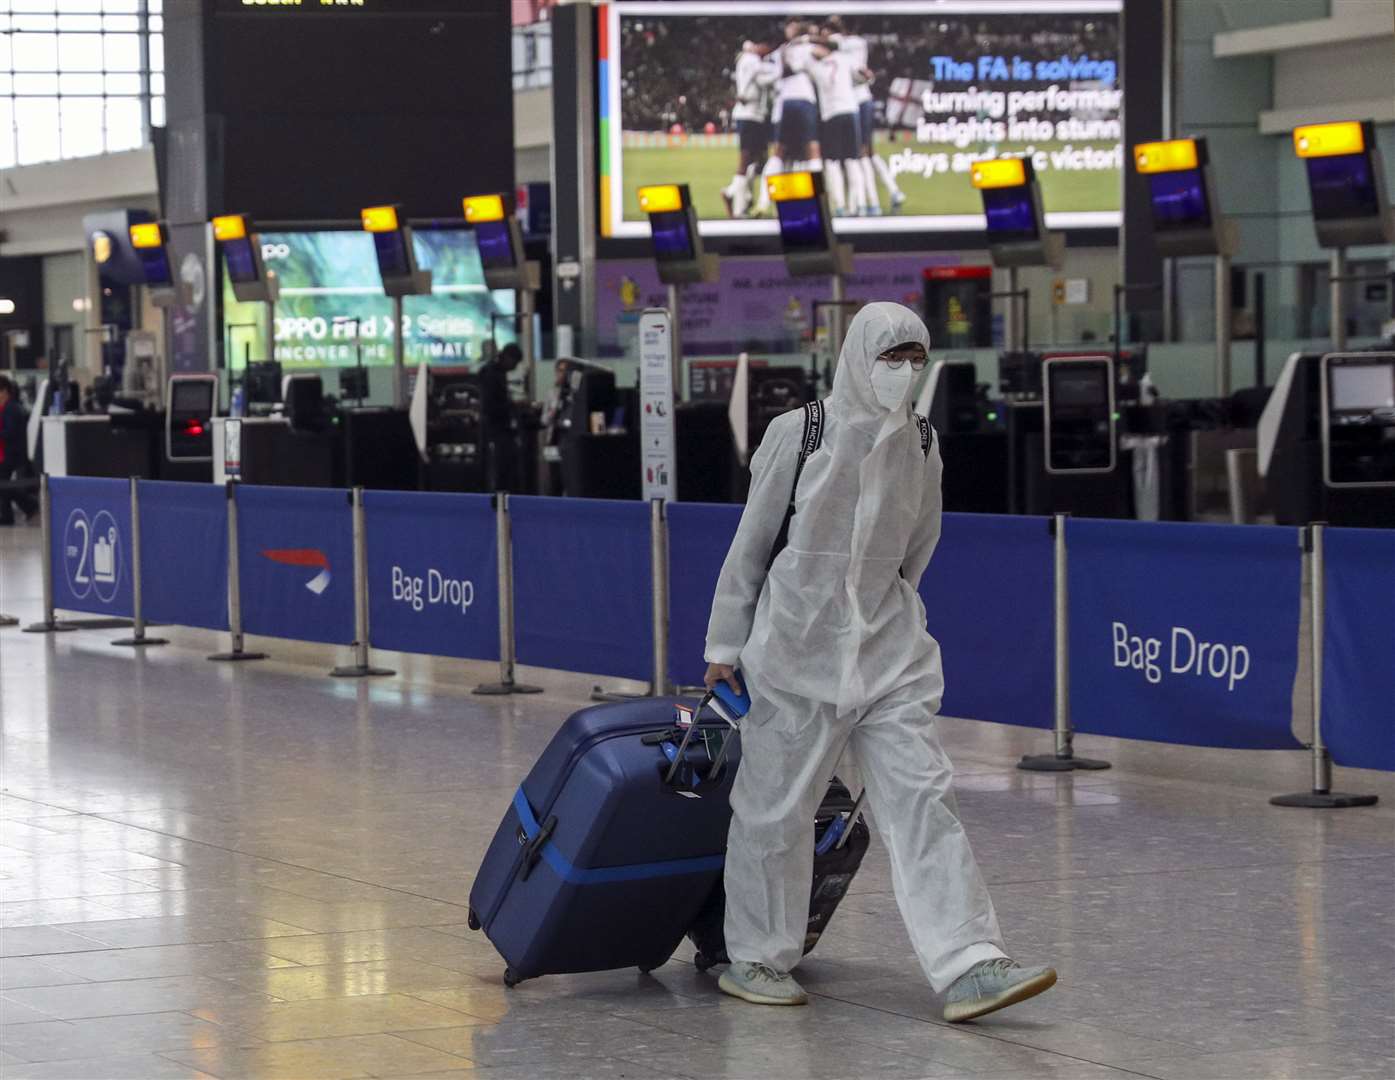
612	844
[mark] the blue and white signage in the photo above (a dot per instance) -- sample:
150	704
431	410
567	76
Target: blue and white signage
432	573
91	538
1184	633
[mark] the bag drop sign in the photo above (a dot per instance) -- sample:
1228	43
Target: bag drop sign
434	588
1184	632
1187	655
433	579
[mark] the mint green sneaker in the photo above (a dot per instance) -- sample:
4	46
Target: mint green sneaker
761	985
992	985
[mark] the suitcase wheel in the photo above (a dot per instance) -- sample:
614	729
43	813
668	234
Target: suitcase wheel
474	920
511	978
702	961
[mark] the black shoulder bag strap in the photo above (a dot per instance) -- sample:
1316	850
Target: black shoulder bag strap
813	439
924	426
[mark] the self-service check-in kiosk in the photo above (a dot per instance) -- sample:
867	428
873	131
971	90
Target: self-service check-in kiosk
397	266
1327	440
1079	426
1187	221
1351	205
806	238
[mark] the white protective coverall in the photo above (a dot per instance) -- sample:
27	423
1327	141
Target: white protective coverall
833	646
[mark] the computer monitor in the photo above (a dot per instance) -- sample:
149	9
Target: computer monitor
1011	214
190	407
353	383
241	259
262	381
1342	187
495	242
673	238
1179	200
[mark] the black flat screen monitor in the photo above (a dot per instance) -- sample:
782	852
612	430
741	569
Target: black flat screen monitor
802	227
353	383
391	248
1342	187
1010	214
262	382
495	242
673	240
242	261
1179	200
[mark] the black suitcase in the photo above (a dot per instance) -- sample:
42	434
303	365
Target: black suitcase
841	839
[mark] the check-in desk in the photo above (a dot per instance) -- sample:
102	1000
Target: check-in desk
102	445
267	450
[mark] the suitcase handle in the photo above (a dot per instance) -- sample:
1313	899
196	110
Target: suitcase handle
532	854
687	738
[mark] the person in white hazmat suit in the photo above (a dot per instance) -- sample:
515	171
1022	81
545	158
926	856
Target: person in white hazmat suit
833	646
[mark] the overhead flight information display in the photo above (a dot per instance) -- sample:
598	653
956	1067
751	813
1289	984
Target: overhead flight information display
909	95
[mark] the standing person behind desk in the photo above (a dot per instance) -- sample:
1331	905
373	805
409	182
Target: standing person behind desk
496	414
14	453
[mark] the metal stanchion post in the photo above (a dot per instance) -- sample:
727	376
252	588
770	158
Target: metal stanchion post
234	587
658	570
507	647
49	625
1322	797
361	667
1063	759
137	638
658	563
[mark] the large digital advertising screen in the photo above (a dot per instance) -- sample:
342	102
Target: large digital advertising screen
900	98
332	302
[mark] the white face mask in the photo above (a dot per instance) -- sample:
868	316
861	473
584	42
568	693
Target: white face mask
891	385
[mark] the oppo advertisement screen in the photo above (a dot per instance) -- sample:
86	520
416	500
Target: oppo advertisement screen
330	278
934	86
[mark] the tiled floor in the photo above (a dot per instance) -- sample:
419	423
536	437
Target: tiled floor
258	871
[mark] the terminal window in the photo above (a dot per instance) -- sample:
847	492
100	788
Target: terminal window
79	77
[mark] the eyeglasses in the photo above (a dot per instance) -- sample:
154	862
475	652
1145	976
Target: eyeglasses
894	358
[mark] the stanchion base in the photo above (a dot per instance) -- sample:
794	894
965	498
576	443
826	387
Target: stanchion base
231	657
8	620
54	627
100	623
499	689
137	641
360	671
1052	763
1326	800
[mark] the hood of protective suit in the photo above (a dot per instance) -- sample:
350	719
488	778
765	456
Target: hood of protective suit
874	329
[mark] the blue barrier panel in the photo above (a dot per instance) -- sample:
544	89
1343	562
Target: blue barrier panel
698	537
582	599
1184	633
295	550
1358	663
91	552
184	554
988	602
433	574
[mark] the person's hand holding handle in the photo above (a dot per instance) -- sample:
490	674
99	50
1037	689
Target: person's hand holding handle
717	673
